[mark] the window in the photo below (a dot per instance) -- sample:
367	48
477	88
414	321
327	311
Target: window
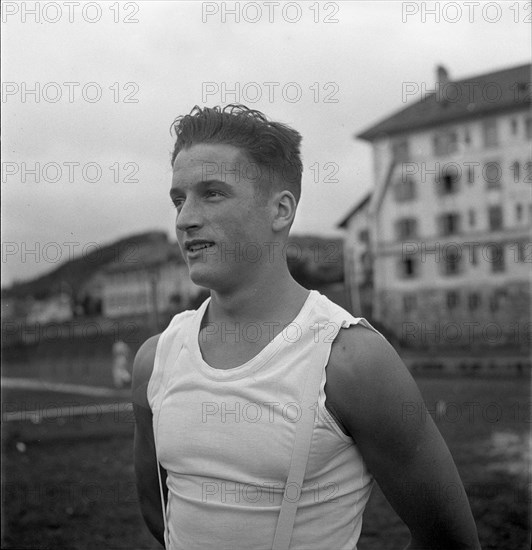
405	189
363	236
451	261
472	218
449	224
515	168
452	299
409	302
489	130
474	301
400	150
406	228
522	254
473	253
365	262
492	174
445	143
495	218
448	181
408	267
497	298
496	257
470	174
518	212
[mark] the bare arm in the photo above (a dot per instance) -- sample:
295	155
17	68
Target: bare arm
144	445
373	394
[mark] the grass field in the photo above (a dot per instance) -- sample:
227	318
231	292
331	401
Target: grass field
69	484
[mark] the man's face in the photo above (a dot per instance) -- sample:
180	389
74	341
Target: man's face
222	221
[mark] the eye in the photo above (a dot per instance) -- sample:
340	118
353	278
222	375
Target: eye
213	193
177	203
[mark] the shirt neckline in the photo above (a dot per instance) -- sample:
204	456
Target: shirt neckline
255	362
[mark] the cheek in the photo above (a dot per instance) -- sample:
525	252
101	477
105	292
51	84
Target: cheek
237	231
241	223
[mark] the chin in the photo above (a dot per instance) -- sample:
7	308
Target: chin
211	278
204	275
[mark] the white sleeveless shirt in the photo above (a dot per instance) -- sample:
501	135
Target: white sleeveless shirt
225	438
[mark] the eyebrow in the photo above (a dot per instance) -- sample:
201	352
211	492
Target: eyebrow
175	191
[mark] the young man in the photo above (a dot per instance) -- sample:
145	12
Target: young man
218	396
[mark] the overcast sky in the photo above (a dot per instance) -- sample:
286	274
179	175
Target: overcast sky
349	72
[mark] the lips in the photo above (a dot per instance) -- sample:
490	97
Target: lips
197	244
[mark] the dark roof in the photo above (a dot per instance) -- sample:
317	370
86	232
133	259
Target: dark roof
481	95
358	206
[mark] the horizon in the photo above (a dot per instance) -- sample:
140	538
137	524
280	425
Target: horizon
113	151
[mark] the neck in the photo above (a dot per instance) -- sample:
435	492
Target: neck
274	297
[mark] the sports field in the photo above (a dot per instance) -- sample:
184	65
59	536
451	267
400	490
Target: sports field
68	480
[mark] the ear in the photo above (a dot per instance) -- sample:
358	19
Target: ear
285	206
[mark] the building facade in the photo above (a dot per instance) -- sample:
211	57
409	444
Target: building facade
358	260
57	309
448	221
156	283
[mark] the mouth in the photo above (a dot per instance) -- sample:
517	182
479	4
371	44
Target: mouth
197	245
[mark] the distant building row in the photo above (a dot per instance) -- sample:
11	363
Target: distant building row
151	282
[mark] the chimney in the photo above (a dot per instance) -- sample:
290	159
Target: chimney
442	76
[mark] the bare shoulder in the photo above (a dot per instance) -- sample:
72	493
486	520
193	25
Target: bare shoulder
142	370
367	381
367	347
362	356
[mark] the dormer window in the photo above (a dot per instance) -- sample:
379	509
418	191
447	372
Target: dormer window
400	151
445	143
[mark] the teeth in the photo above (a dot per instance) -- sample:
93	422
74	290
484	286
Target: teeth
196	247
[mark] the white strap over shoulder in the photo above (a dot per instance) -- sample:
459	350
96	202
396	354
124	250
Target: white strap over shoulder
303	439
298	462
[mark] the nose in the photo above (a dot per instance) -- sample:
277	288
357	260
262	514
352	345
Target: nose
188	216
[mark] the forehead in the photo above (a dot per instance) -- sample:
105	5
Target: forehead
208	161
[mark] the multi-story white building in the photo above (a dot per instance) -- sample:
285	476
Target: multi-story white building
448	219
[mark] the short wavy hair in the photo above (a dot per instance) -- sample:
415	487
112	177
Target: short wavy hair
273	146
